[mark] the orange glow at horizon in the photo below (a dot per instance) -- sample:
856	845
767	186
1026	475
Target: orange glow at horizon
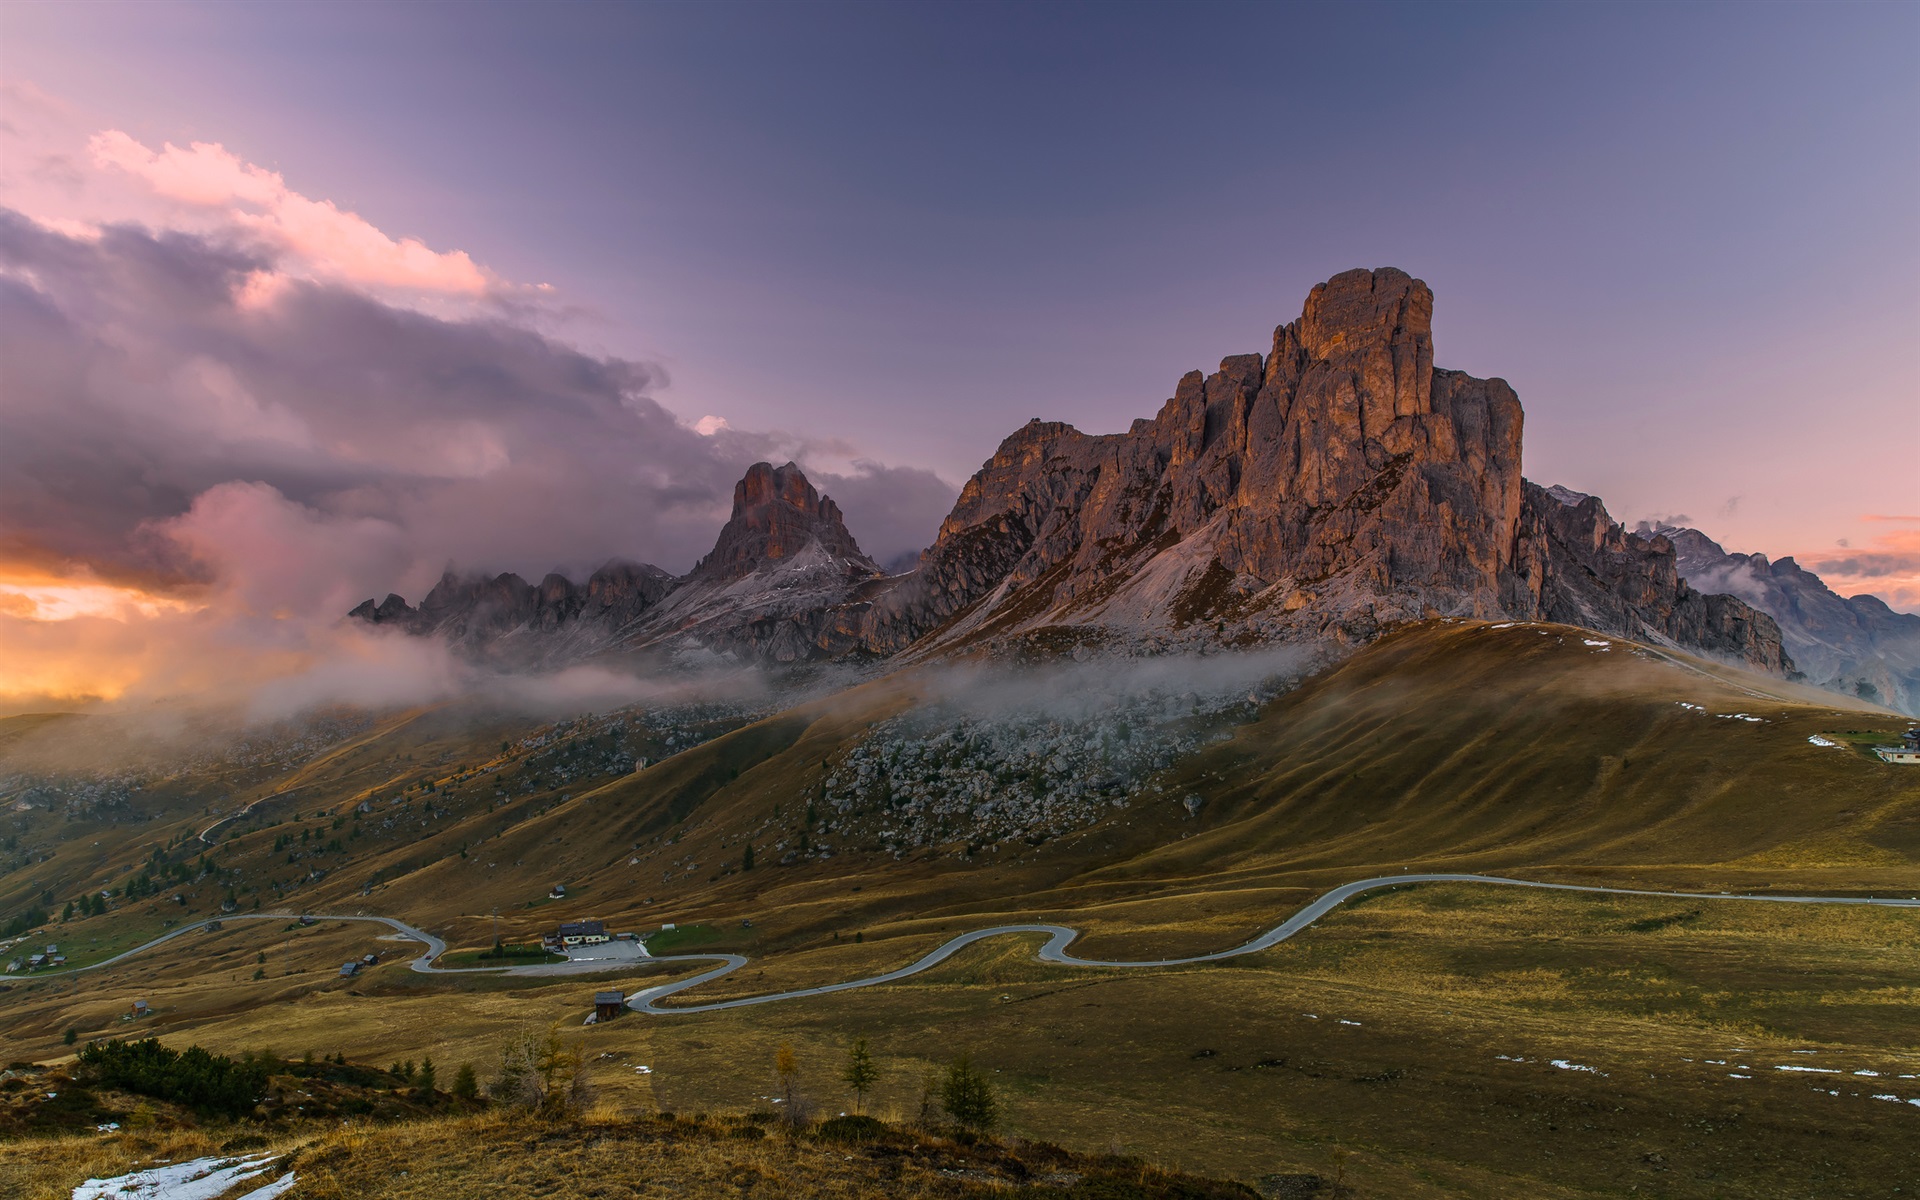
74	640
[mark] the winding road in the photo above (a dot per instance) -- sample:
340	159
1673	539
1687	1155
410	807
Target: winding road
1053	950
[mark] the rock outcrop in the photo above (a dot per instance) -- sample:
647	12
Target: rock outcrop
507	620
776	587
1333	487
1330	488
1575	564
1851	644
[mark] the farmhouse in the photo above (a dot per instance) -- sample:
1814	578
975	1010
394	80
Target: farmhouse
607	1006
349	969
1907	752
582	933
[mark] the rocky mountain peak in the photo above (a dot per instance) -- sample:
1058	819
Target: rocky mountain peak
777	514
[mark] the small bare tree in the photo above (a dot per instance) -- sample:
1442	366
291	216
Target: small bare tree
786	1066
541	1074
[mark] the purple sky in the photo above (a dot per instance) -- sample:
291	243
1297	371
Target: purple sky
880	237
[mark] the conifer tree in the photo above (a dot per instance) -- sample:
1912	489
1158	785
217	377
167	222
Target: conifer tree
860	1074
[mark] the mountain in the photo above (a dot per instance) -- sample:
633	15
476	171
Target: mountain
1333	488
1856	645
783	564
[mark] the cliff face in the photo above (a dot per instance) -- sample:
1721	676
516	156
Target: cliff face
777	516
776	587
1336	485
509	621
1575	564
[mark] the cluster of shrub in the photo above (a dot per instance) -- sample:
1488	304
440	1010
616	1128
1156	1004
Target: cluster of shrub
216	1084
202	1081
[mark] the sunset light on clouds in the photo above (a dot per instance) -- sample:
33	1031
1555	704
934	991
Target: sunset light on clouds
235	406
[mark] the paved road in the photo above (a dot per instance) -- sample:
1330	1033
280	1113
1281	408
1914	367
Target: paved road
423	963
1054	950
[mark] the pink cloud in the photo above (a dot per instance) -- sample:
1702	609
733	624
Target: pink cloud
326	239
1888	568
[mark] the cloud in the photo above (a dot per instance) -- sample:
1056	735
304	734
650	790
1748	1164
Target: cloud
267	457
893	512
315	234
1888	567
229	411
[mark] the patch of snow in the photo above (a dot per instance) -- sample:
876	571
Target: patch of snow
1592	642
200	1179
1812	1070
1504	625
1565	1065
1732	1075
1887	1096
274	1190
1866	1072
1344	1021
1699	708
1817	740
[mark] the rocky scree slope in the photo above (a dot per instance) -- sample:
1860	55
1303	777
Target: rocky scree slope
1328	490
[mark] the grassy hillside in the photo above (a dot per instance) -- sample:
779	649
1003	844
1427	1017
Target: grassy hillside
1531	750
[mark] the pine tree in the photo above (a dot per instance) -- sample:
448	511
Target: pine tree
425	1079
968	1096
466	1085
860	1074
746	860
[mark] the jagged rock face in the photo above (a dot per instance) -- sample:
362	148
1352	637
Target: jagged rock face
781	584
1337	484
1575	564
777	515
1855	645
501	618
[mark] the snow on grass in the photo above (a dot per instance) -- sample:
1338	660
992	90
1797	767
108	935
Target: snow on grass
1817	740
1812	1070
1599	644
1566	1065
200	1179
1699	708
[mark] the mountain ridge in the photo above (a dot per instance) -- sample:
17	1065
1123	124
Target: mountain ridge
1852	644
1330	489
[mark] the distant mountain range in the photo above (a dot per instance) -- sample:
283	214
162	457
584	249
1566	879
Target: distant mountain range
1856	645
1337	486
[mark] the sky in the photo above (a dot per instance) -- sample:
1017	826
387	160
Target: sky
300	304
